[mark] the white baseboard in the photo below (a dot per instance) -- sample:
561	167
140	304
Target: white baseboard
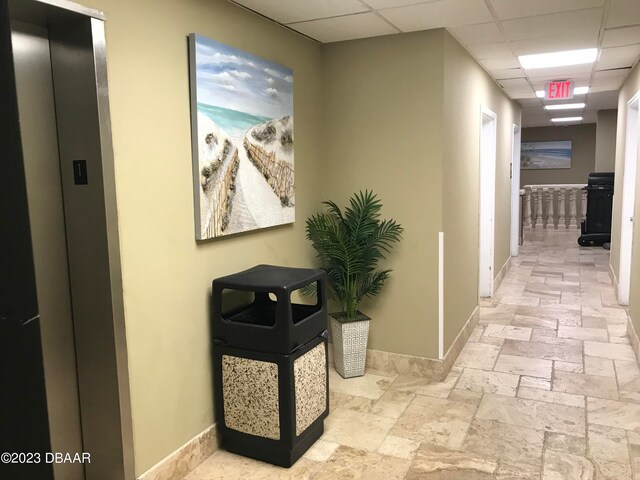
186	458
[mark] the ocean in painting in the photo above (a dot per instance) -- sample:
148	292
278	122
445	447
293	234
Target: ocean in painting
545	155
234	123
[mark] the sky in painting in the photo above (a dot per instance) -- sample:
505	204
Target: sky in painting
236	80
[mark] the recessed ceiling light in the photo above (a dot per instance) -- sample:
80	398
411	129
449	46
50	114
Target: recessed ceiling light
566	119
576	91
558	59
564	106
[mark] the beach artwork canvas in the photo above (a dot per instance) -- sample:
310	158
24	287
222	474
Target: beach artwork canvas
545	155
242	136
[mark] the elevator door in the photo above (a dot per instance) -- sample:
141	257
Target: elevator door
37	116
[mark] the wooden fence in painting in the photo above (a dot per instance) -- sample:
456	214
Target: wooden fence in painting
222	195
278	174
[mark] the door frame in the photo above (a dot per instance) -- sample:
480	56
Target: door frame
515	191
629	174
103	419
487	200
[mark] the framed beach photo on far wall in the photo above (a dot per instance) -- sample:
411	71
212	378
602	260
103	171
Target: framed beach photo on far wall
242	140
545	155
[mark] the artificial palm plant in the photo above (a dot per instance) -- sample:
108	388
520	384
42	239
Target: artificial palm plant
349	247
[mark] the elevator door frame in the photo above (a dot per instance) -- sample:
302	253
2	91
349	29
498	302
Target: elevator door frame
118	461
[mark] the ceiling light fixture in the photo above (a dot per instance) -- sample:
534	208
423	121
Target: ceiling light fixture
576	91
566	119
558	59
564	106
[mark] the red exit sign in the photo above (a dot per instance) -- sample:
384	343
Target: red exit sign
558	90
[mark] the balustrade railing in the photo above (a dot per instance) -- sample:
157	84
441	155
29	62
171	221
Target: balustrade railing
557	205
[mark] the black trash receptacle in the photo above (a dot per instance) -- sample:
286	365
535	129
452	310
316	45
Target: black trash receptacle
270	363
596	227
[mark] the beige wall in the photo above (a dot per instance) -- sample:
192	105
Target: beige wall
583	154
606	140
382	131
166	274
628	90
467	87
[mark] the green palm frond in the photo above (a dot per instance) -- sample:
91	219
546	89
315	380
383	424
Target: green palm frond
349	246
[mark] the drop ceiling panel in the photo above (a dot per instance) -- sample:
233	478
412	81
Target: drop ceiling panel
345	28
602	100
502	73
557	24
288	11
573	41
500	63
480	33
623	13
484	51
617	37
530	102
518	93
507	9
443	13
380	4
618	57
514	83
560	73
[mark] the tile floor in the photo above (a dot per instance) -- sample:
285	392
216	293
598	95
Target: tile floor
547	387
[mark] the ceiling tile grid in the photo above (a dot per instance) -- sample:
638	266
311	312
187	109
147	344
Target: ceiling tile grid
494	32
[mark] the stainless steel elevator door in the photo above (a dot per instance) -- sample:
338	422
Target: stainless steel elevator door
46	214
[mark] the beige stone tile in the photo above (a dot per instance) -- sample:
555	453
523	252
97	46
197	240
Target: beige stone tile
223	465
487	381
566	466
619	340
611	470
534	322
399	447
604	312
524	366
612	413
507	331
409	365
349	402
617	330
594	322
524	301
321	450
566	443
497	341
552	340
628	374
352	463
514	444
602	367
466	396
356	429
551	397
535	382
478	355
544	351
510	471
476	333
368	386
441	464
500	314
581	333
435	421
568	367
392	403
532	414
582	384
609	350
607	443
377	361
425	386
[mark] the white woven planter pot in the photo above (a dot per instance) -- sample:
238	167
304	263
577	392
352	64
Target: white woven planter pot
350	346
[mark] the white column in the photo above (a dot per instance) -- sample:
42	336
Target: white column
573	212
527	207
545	207
539	207
553	211
534	207
583	202
562	207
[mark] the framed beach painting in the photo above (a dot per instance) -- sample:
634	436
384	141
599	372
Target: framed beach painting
242	140
545	155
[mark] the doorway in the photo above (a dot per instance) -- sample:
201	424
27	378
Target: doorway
515	192
61	306
488	130
628	197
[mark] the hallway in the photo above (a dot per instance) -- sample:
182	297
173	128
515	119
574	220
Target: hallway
546	387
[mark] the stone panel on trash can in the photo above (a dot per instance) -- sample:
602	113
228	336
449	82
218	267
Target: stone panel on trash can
250	395
310	379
